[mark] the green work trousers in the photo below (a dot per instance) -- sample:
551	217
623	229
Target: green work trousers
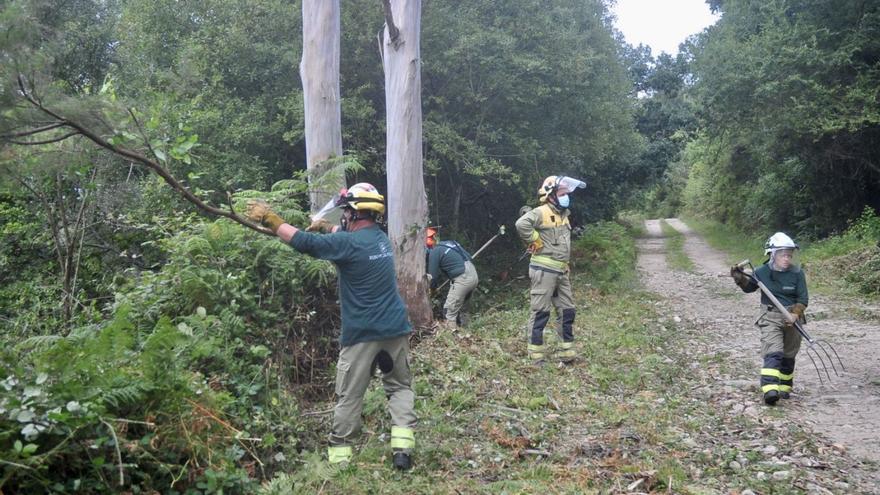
461	289
357	364
780	344
549	290
776	337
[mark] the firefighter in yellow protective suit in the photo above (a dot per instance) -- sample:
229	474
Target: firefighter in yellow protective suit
547	231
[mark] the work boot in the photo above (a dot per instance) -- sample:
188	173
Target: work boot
402	461
785	395
771	397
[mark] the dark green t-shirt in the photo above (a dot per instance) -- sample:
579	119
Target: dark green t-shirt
371	306
448	258
789	287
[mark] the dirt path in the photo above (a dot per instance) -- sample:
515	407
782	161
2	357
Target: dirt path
717	316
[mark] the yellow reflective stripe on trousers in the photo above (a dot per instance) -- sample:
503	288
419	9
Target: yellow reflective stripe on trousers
785	388
783	376
767	388
771	372
540	259
402	438
536	351
566	350
339	453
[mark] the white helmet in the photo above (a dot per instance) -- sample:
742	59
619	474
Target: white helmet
779	241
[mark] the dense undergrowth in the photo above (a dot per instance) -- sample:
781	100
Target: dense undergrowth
193	383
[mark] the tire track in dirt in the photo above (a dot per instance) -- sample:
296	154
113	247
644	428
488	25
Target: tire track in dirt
718	317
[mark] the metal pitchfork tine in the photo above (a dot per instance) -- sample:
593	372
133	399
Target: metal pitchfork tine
813	344
821	344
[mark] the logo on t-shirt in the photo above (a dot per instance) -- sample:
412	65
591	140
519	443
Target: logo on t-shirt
384	251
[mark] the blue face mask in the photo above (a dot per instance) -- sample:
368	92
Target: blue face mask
564	201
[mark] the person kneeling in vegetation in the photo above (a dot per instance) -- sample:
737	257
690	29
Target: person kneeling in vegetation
780	340
449	259
375	328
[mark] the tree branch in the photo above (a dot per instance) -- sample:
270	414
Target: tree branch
137	157
31	132
143	134
45	141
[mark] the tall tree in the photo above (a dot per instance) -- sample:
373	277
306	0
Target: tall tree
788	98
319	70
407	202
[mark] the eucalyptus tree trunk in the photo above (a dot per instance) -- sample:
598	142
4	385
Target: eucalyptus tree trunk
319	70
407	202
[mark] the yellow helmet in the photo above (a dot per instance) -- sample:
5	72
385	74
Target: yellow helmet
362	197
555	183
548	187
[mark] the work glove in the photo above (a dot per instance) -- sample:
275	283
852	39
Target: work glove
797	310
320	225
740	277
535	246
260	212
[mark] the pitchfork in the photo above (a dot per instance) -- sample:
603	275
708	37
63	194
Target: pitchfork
814	344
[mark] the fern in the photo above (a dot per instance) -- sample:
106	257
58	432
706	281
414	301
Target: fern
197	246
160	353
232	322
318	272
124	392
38	343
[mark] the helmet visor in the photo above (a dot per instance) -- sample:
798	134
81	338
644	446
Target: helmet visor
782	259
329	211
569	184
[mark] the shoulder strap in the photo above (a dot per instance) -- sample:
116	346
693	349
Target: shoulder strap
457	247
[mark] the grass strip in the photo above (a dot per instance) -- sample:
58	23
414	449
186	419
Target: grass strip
675	255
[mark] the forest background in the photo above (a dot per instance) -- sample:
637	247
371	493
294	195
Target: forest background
135	327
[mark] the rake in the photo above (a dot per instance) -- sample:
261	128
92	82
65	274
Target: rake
814	345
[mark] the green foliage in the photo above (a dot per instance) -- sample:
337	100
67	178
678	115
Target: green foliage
789	136
509	102
850	261
605	253
86	402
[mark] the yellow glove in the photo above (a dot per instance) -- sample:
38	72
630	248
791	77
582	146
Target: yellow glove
320	225
260	212
535	246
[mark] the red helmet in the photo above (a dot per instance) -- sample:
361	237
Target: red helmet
431	237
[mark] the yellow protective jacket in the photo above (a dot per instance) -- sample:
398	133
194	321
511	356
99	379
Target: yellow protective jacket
554	230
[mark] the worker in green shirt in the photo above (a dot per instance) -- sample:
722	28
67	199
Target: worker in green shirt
375	328
448	259
780	340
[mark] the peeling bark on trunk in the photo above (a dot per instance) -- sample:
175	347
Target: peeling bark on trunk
319	70
406	198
